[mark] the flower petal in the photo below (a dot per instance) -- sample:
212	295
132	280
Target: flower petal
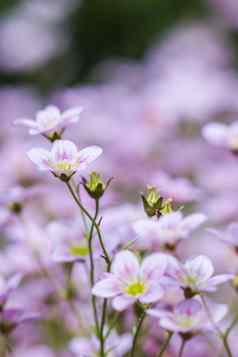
40	157
64	150
153	266
126	265
215	133
121	302
72	115
106	288
193	221
218	279
154	294
26	122
200	267
88	155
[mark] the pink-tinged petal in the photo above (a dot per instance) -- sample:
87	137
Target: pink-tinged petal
200	267
106	288
64	150
72	115
51	111
26	122
88	155
159	313
153	267
154	294
188	307
170	325
219	279
126	265
170	220
215	133
219	311
40	157
193	221
122	302
146	228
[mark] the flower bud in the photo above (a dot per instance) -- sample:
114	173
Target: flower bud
152	201
95	186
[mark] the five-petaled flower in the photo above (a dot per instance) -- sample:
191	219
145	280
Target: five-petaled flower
196	275
130	281
222	135
50	120
188	317
64	159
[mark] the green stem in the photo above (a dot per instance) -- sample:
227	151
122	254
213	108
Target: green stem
181	350
92	275
137	332
84	210
106	257
165	345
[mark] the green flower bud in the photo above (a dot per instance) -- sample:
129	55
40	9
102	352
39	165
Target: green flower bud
152	201
95	186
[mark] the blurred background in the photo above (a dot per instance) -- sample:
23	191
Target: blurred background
51	43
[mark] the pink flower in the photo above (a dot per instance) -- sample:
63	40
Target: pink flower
188	316
169	228
130	281
222	135
196	274
50	120
64	158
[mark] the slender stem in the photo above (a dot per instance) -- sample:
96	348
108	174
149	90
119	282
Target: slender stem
137	332
106	257
103	321
78	202
165	345
181	350
92	275
230	328
221	335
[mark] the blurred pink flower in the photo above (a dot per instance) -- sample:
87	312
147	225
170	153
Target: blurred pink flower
169	228
222	135
50	120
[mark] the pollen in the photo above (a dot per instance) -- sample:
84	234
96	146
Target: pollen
79	250
136	288
64	166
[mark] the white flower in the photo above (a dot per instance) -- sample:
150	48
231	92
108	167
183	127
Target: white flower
50	120
222	135
64	159
130	281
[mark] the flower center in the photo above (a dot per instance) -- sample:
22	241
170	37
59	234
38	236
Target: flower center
79	250
64	166
186	321
191	280
135	289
